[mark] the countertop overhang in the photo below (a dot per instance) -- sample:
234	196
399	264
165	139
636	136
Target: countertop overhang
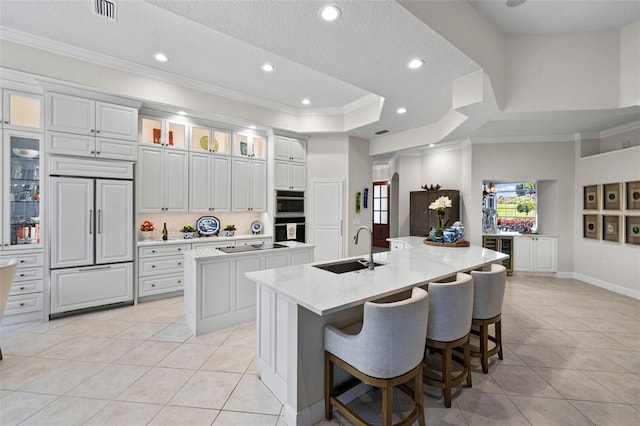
203	253
324	292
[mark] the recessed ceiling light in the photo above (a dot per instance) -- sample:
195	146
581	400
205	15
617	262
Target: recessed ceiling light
268	68
181	113
330	13
401	110
161	57
253	127
431	145
514	3
416	63
306	101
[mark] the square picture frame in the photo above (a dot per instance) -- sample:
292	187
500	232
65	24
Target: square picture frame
611	228
633	195
611	195
590	226
590	197
633	230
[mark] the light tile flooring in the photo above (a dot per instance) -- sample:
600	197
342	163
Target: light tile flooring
572	356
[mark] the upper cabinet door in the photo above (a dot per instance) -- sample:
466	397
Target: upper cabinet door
176	181
222	184
116	121
150	179
71	114
298	149
22	111
281	148
200	192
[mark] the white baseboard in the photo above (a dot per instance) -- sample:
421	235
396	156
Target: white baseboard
600	283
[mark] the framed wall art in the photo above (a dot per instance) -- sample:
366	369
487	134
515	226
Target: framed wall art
590	226
611	193
633	230
591	201
633	195
611	228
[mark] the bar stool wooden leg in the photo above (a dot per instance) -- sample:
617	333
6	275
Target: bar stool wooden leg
498	329
467	361
418	397
387	404
328	386
484	342
446	375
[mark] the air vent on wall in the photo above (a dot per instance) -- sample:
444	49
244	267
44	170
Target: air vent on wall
106	8
381	132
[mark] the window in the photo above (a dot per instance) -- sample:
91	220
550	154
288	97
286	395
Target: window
515	204
380	203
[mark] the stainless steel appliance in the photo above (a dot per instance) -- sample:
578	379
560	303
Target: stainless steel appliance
281	223
289	203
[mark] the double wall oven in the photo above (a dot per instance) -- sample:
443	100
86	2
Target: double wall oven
289	220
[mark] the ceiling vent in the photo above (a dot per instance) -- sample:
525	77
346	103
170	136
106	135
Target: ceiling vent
381	132
106	8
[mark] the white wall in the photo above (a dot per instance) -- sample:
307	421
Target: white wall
360	177
551	162
615	266
630	65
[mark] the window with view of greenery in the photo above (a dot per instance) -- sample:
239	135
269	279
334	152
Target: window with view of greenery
517	206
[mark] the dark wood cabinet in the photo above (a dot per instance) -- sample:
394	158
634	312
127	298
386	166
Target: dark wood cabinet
422	219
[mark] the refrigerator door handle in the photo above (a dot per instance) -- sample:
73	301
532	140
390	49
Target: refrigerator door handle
99	221
90	222
94	268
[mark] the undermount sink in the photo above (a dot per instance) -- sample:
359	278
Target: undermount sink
346	266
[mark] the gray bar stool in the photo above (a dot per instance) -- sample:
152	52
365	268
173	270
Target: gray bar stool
487	309
450	309
387	352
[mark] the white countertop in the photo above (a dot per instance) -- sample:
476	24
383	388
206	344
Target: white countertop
201	253
324	292
517	234
202	240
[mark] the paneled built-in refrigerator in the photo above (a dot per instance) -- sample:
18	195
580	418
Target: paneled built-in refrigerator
91	242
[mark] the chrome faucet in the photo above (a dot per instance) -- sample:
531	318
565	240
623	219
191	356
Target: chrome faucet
370	264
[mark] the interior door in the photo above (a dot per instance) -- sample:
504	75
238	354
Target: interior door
381	195
72	227
327	217
114	221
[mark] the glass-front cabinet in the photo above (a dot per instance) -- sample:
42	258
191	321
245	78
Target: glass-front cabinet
21	190
164	133
206	139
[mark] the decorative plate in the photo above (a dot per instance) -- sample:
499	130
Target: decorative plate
204	142
256	226
26	153
208	225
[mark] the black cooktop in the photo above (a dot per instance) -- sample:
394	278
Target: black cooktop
240	249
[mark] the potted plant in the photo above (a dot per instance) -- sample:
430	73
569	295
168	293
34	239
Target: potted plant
229	230
188	231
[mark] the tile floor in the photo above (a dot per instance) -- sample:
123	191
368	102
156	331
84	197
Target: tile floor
572	356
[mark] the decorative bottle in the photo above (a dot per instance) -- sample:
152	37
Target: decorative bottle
165	233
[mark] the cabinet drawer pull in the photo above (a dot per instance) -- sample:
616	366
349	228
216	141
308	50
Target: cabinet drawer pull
153	251
22	304
179	281
153	285
179	249
179	264
21	288
22	261
22	275
153	266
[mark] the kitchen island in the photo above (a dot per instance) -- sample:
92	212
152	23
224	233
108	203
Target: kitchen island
216	292
295	303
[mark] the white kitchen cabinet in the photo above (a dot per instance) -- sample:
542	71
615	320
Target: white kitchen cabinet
249	145
161	269
72	114
162	180
22	111
290	176
207	139
26	298
249	185
209	183
89	146
20	179
289	149
91	221
80	288
166	133
537	254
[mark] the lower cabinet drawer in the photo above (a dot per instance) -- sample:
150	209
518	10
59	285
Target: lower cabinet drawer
26	287
161	265
24	303
29	274
160	284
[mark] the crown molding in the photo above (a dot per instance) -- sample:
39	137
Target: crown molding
30	40
623	128
522	139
